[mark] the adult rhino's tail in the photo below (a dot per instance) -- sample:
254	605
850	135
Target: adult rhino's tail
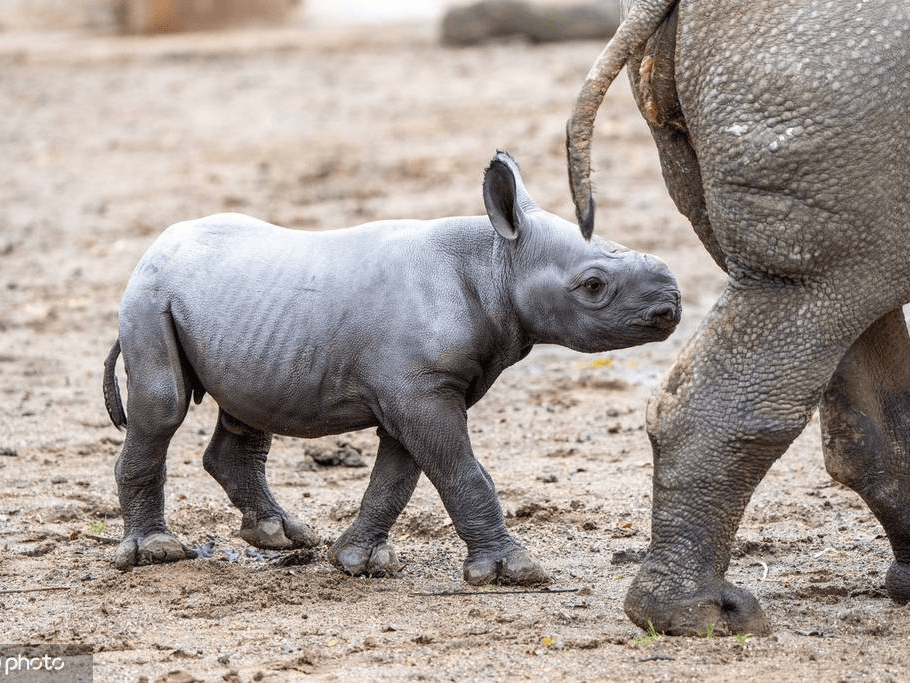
112	390
643	19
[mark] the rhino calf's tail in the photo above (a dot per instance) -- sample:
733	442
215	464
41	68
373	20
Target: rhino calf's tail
112	400
643	19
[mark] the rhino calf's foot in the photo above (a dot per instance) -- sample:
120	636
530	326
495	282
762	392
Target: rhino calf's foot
278	532
364	560
516	567
155	548
897	582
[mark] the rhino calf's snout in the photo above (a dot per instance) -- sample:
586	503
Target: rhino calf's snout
662	309
665	315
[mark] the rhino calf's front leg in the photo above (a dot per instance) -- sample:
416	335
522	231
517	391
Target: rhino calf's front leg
441	447
510	563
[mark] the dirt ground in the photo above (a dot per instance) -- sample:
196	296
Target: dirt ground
106	141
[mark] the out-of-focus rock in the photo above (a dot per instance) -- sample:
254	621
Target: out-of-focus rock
538	22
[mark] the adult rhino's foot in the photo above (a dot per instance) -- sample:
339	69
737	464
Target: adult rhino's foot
276	532
363	559
717	607
516	566
897	582
153	548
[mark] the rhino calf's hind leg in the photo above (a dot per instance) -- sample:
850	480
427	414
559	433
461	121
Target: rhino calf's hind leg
363	549
140	475
236	458
865	413
156	409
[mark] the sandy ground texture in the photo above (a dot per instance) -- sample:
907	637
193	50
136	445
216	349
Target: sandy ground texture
106	141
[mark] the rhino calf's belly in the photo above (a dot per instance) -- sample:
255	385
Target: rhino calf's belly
295	417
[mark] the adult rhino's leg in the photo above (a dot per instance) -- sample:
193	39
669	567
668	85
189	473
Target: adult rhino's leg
741	391
158	398
865	414
363	549
437	438
236	457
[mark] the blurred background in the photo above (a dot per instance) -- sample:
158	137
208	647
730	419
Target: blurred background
149	16
157	15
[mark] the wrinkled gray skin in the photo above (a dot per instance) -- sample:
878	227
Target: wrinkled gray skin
401	325
784	136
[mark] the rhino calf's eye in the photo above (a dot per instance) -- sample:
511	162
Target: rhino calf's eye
592	285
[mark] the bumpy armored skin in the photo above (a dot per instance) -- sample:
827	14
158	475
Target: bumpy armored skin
400	325
784	132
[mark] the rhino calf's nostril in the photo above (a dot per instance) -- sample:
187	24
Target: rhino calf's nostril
664	315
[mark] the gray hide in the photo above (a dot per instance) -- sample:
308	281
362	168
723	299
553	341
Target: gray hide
784	133
400	325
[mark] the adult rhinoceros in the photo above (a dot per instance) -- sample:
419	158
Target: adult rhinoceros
784	136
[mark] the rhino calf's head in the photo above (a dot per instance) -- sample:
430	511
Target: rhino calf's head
589	295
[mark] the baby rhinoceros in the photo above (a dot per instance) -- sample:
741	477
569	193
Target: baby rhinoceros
400	325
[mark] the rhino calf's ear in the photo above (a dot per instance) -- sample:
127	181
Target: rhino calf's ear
501	184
